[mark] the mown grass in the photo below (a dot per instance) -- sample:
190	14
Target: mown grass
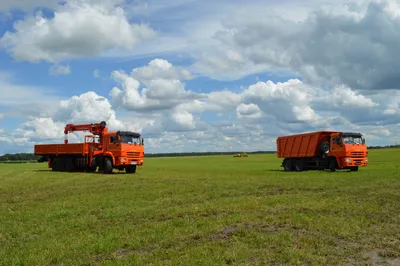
213	210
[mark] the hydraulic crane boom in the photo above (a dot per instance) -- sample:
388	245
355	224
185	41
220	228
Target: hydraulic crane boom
95	129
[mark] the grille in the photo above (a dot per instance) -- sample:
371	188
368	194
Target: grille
357	154
132	154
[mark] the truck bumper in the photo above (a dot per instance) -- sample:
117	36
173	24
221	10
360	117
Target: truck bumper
122	161
351	162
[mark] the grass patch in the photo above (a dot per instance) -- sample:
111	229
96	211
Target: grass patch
202	210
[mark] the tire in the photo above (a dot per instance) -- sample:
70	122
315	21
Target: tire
332	164
70	165
354	169
108	166
299	165
324	147
130	169
54	164
288	165
92	168
59	165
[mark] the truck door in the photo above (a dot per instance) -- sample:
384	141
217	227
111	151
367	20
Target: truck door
336	143
113	145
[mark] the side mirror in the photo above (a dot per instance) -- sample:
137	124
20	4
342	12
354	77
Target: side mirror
142	141
363	141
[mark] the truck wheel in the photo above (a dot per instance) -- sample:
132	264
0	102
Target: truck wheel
108	167
91	169
54	164
332	164
70	165
299	165
324	147
131	169
288	165
354	168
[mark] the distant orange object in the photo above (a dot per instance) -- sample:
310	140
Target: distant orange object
322	150
243	154
122	150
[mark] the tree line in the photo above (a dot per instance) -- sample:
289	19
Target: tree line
23	157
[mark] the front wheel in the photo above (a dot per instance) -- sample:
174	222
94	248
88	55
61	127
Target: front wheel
332	164
108	166
131	169
354	168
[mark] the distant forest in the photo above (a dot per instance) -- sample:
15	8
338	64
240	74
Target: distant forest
29	157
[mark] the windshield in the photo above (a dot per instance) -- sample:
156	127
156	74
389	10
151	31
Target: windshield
129	139
352	140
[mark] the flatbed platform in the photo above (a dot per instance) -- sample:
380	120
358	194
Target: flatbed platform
61	149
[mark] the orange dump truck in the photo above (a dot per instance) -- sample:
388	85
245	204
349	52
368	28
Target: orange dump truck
122	150
322	150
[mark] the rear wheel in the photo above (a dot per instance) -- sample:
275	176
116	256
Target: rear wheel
54	164
59	165
288	165
299	165
70	165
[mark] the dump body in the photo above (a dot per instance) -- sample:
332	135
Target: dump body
322	150
301	145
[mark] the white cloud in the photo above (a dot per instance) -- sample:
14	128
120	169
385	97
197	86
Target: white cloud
354	45
86	108
163	89
20	100
221	101
78	29
57	70
96	73
171	117
344	96
26	5
288	101
162	69
248	111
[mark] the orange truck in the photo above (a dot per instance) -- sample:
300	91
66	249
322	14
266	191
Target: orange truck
122	150
322	150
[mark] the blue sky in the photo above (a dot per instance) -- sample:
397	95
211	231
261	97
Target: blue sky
198	75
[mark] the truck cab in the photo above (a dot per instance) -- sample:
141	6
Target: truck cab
349	149
126	147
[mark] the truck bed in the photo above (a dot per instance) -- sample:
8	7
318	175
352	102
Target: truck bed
300	145
61	149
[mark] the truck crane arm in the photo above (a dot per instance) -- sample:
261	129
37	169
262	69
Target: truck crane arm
95	129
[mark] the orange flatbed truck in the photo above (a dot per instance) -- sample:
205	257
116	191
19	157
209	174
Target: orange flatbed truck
122	150
322	150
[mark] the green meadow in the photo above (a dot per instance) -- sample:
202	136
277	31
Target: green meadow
214	210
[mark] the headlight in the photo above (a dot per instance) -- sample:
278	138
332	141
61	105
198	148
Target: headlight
348	160
122	160
366	159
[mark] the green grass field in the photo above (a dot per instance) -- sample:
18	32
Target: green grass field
213	210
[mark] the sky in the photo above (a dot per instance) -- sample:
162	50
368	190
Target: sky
192	75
